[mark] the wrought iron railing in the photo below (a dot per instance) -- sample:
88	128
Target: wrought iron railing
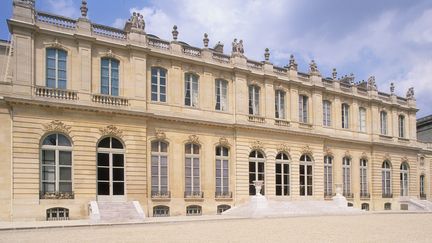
160	194
223	194
387	195
194	194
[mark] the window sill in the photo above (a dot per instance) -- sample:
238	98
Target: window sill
403	139
387	137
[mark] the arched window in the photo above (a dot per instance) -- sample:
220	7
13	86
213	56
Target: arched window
191	90
254	97
365	206
401	122
386	179
345	115
158	84
364	191
161	211
159	169
57	214
387	206
56	166
422	187
256	170
222	172
404	173
326	113
279	104
383	122
192	170
222	208
193	210
221	89
110	76
306	183
56	69
110	168
346	175
282	175
362	119
328	176
303	109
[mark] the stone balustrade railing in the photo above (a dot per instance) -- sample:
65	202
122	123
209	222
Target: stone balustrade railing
279	122
191	51
254	65
158	43
256	119
56	20
110	100
56	93
220	57
107	31
279	70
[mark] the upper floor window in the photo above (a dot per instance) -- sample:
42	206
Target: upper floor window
56	60
345	115
221	89
56	164
158	84
362	119
110	76
401	122
303	109
326	113
191	90
383	122
254	94
279	104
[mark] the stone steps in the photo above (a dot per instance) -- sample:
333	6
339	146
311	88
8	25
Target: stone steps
118	211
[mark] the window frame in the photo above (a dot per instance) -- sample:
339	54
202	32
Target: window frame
345	124
283	161
280	111
111	87
193	157
221	95
386	178
256	161
191	81
401	126
328	175
254	93
193	210
225	189
160	208
159	154
346	176
303	108
404	179
364	185
56	68
327	113
383	123
159	94
362	119
306	163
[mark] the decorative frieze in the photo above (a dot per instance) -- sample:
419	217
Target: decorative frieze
223	141
193	139
306	150
364	156
111	130
257	145
283	148
328	152
57	126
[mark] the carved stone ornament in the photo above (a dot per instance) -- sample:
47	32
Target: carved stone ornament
328	152
283	148
292	63
57	126
348	154
160	135
237	48
387	157
364	156
422	161
111	130
313	68
257	145
109	54
306	150
193	139
223	141
55	44
404	159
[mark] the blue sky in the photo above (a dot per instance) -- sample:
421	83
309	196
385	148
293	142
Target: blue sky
390	39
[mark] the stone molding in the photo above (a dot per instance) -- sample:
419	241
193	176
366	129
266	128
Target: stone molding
306	150
57	126
111	130
193	139
328	152
223	141
283	148
257	145
364	156
160	135
56	44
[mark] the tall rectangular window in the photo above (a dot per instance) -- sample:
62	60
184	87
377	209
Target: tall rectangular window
159	168
383	122
109	76
303	109
282	175
56	68
306	179
328	176
221	88
362	119
401	122
345	116
192	169
254	95
279	104
363	178
326	113
222	175
346	176
158	84
191	90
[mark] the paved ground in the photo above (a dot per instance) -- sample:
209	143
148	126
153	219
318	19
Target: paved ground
360	228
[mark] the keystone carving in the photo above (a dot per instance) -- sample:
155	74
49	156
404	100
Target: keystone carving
57	126
111	130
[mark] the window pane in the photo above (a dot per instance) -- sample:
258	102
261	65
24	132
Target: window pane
118	188
103	188
118	160
116	143
104	143
65	187
65	158
50	140
103	159
118	174
48	173
103	174
48	157
65	173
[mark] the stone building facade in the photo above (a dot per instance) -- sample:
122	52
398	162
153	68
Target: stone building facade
93	113
424	129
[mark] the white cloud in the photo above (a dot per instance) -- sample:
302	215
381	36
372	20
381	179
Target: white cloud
63	8
119	23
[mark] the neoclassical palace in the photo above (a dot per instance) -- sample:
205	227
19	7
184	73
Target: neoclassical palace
92	115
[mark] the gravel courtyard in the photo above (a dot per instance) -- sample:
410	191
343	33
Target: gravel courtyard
359	228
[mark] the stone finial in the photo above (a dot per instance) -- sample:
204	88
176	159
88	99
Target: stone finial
334	74
175	33
267	54
371	84
392	88
313	68
84	8
206	40
410	93
292	63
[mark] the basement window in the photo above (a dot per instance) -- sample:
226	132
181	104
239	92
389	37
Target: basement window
53	214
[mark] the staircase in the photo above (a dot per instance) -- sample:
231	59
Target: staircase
116	211
417	204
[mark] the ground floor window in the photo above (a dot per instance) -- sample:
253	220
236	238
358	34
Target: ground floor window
350	205
387	206
282	179
193	210
160	211
222	208
365	206
57	214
